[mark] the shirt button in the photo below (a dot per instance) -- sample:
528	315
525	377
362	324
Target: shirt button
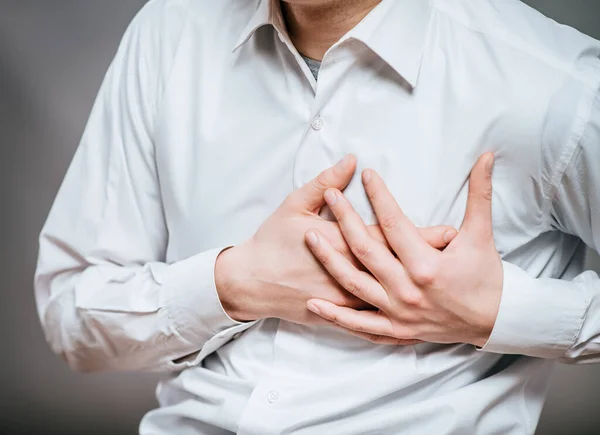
237	335
318	123
272	396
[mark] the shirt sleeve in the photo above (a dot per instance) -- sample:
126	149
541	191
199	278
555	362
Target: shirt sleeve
551	318
106	298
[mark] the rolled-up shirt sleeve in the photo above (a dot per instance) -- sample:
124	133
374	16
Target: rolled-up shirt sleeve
106	298
552	318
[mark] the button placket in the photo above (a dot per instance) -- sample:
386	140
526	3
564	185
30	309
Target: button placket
272	396
318	123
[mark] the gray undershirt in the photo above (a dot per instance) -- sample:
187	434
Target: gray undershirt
313	65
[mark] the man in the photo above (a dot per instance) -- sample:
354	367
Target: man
177	241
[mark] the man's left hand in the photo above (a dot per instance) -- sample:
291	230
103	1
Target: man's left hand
423	295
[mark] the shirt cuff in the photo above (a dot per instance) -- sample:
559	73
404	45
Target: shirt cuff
537	317
191	298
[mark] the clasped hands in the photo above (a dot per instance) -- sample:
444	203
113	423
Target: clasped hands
391	284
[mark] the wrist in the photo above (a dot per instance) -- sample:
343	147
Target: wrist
233	285
480	329
481	339
226	284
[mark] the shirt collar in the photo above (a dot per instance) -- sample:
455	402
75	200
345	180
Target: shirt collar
267	13
396	30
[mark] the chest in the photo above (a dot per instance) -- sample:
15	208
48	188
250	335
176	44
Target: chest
238	140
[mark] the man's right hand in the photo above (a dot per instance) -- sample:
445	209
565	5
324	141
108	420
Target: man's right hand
274	274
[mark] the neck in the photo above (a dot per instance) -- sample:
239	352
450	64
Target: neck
314	28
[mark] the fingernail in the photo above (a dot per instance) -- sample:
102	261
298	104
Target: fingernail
448	236
330	197
344	162
312	307
366	176
312	239
489	165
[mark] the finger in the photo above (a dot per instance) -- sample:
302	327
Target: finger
373	254
401	233
310	196
478	215
376	233
382	339
376	339
356	282
438	237
332	232
366	322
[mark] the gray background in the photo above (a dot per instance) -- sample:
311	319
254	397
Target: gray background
53	55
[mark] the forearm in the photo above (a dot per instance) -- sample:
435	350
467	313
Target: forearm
155	317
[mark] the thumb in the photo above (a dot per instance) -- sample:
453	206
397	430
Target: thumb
478	216
438	237
310	196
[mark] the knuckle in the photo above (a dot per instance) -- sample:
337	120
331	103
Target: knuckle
340	215
389	222
350	284
361	250
413	299
425	274
344	250
321	182
488	194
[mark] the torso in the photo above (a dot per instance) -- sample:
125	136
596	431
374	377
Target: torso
423	142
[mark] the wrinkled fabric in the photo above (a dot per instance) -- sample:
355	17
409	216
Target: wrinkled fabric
209	117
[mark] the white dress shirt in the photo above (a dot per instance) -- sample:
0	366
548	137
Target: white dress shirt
208	118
